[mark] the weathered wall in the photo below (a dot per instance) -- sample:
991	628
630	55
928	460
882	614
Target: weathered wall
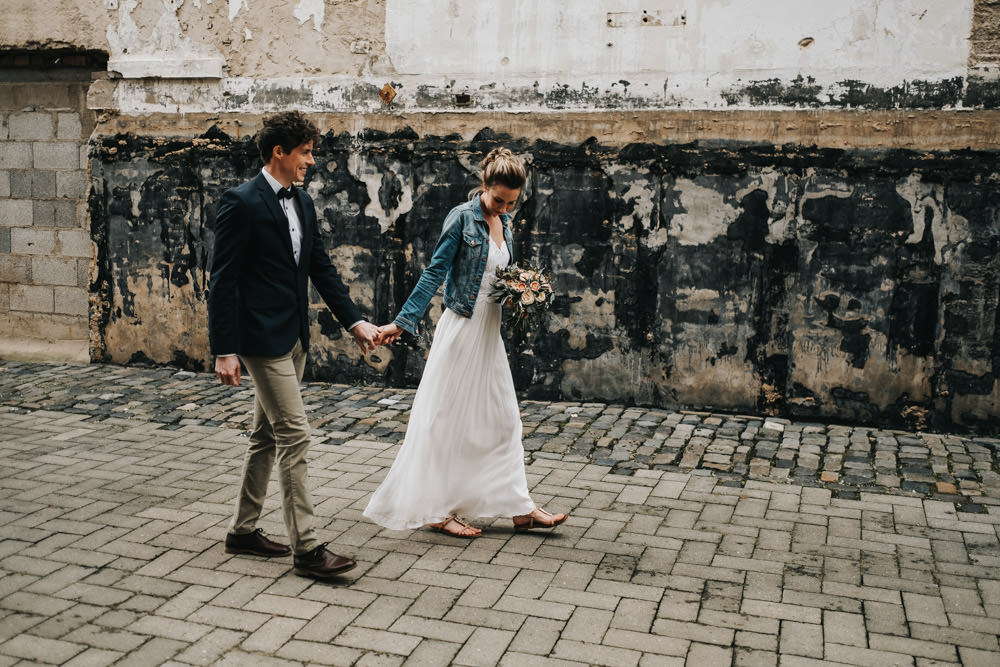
45	248
776	205
858	284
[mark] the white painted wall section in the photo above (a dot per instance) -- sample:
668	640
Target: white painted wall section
695	49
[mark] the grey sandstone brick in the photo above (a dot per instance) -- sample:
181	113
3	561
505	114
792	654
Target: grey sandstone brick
832	602
756	640
5	183
40	649
383	612
866	657
112	640
56	155
803	639
781	611
16	155
957	635
750	657
94	657
14	269
484	648
246	621
595	654
67	213
587	624
15	212
31	126
318	653
26	241
707	654
482	593
269	637
432	628
695	632
54	271
915	647
377	640
74	243
636	615
646	642
278	605
432	652
171	628
536	636
328	623
844	628
488	618
972	657
241	659
211	647
924	609
69	126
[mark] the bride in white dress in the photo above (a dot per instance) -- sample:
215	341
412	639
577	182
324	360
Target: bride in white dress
462	454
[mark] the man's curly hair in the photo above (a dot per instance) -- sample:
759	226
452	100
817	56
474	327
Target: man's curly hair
287	129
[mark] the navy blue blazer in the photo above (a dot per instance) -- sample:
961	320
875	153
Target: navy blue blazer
258	298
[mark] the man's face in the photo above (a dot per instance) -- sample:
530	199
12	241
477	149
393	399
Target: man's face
291	167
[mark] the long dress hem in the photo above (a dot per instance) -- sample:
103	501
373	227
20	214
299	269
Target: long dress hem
462	452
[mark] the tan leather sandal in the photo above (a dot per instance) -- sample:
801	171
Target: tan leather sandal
538	519
456	528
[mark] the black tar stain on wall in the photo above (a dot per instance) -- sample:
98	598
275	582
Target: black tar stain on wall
854	280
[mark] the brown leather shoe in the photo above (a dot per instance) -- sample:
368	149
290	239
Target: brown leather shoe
255	543
322	563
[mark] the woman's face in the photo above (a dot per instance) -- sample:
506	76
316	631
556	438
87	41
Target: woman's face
497	199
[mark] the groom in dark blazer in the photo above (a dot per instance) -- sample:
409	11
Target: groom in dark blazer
267	250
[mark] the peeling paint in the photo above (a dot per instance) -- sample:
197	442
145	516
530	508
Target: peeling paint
314	9
165	51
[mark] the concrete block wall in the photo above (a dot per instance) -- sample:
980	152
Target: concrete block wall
45	247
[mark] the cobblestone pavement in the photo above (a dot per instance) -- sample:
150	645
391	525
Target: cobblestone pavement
694	538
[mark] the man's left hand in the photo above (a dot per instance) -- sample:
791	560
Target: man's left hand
365	335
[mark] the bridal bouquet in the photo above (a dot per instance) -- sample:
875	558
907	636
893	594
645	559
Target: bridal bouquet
525	293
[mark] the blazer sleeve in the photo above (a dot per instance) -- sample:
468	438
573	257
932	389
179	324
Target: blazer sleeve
326	279
232	234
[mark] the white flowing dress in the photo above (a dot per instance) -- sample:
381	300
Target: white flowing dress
462	453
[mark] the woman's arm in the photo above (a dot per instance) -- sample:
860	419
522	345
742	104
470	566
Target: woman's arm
432	277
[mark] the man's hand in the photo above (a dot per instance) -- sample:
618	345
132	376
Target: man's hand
365	335
388	333
227	369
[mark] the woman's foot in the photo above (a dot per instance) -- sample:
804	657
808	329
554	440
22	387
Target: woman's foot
538	518
456	527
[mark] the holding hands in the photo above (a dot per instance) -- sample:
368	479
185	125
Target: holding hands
388	333
368	336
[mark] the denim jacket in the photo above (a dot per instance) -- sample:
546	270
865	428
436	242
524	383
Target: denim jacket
459	261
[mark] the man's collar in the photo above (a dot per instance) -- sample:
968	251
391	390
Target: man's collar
271	180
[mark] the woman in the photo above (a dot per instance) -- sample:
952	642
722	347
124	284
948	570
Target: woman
462	454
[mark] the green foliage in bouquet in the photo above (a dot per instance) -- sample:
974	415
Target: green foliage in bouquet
525	294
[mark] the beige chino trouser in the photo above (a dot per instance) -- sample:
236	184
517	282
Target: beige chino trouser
280	432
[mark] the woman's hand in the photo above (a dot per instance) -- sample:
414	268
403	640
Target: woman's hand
388	333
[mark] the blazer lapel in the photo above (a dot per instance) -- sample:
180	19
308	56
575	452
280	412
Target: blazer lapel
307	219
270	201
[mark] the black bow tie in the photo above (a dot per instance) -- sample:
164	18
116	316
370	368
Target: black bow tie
286	193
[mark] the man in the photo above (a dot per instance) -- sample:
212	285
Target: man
267	249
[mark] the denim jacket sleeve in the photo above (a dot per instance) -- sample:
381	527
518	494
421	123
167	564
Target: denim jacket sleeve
432	277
